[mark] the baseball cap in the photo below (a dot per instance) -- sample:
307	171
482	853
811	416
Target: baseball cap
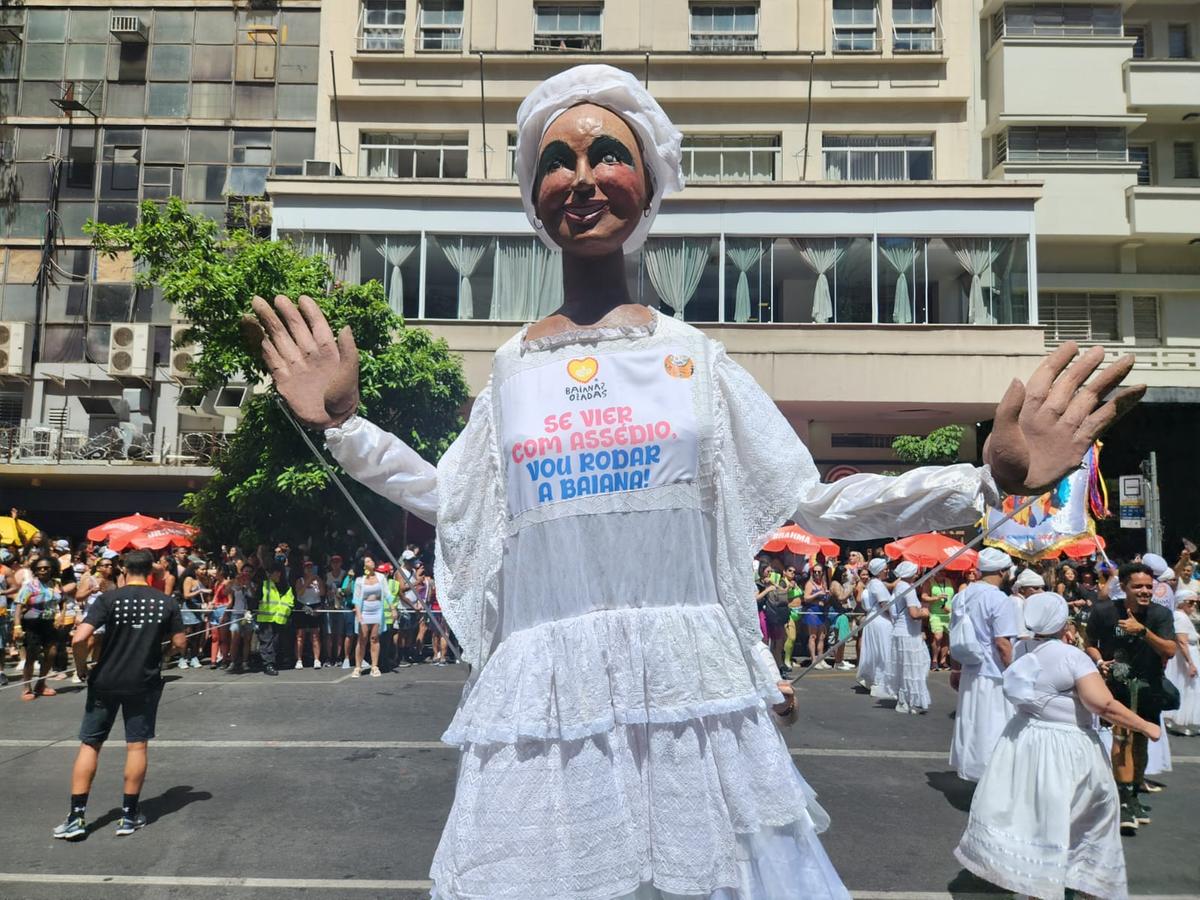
407	555
62	545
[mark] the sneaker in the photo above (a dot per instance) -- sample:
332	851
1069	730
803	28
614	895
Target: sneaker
823	665
316	664
298	665
345	664
357	673
75	679
72	829
845	666
403	664
182	663
194	662
129	826
1141	812
1151	787
365	665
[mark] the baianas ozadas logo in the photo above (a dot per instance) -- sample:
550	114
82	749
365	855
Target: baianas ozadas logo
583	370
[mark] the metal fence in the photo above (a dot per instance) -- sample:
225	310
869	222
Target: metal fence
47	445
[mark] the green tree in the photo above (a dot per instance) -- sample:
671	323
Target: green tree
939	447
268	487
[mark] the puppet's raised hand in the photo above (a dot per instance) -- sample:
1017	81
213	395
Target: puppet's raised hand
1043	429
314	372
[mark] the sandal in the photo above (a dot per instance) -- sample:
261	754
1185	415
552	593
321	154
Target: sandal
28	695
375	673
47	692
357	673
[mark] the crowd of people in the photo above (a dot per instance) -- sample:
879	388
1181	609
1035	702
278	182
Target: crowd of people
242	612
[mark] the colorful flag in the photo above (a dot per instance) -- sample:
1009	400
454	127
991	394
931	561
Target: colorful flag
1059	517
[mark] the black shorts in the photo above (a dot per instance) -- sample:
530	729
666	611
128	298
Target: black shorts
300	618
100	714
39	635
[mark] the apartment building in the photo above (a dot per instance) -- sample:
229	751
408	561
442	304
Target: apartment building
105	105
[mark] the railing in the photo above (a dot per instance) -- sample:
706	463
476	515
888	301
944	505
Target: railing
1161	357
381	39
724	43
560	42
851	40
47	445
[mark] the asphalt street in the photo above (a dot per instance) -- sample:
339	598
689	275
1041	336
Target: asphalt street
312	785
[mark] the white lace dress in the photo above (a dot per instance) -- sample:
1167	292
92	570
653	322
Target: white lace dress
595	522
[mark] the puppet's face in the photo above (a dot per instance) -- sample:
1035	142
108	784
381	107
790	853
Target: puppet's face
590	188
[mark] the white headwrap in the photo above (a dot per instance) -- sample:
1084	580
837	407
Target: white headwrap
615	90
1029	578
906	570
876	566
1157	564
1168	576
1183	596
1045	614
992	560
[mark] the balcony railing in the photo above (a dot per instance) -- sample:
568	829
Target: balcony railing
724	43
47	445
566	42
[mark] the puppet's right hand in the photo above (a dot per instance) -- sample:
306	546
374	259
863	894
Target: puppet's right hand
314	372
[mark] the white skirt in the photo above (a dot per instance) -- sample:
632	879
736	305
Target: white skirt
1046	816
1188	714
983	712
908	673
876	653
1158	753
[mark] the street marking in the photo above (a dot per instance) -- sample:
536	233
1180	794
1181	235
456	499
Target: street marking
364	884
849	753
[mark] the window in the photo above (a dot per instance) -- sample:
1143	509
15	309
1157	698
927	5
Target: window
1090	318
441	24
1057	20
382	26
724	29
854	26
1138	33
256	53
388	155
1185	159
862	441
566	27
915	26
731	157
878	157
1056	144
1145	320
1179	42
1140	154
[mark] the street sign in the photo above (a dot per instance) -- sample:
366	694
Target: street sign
1132	501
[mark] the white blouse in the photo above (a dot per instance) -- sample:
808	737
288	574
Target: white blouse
599	507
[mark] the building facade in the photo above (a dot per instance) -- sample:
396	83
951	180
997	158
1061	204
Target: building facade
105	106
893	206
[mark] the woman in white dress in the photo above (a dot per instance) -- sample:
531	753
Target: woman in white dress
875	657
908	672
1046	817
616	736
1183	669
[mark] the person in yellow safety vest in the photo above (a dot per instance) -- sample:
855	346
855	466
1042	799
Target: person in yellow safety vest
272	616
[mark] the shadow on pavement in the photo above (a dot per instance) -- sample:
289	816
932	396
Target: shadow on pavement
966	884
171	800
957	792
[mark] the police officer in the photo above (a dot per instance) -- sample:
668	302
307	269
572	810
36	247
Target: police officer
273	612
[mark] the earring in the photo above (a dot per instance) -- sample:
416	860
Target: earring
537	224
646	213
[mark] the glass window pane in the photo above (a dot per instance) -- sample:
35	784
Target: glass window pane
164	145
44	60
204	183
298	65
212	64
172	26
208	145
247	181
112	302
46	25
65	301
302	27
212	100
63	343
254	101
128	62
90	25
298	101
34	143
35	98
293	147
31	180
19	302
167	99
214	26
79	174
71	217
10	60
170	62
126	100
85	60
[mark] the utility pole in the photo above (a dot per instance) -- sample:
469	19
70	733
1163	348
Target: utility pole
1154	532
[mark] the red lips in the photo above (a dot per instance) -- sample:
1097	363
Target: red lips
587	211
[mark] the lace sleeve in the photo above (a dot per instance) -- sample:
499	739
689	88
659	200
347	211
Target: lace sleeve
388	466
777	479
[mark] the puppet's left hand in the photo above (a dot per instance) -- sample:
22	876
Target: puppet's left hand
1043	429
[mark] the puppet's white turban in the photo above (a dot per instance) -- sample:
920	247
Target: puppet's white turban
620	92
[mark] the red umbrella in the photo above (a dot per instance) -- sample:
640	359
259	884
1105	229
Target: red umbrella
800	542
123	525
1086	547
161	533
929	550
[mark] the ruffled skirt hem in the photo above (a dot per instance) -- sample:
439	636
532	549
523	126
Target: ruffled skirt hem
908	673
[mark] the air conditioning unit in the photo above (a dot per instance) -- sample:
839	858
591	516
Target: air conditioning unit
230	400
182	355
16	348
320	168
131	351
128	29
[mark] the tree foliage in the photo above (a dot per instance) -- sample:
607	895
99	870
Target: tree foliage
939	447
268	487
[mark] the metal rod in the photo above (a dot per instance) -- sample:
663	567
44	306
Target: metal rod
438	627
870	616
812	64
337	116
483	118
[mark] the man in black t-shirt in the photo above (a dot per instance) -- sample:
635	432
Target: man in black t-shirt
137	620
1130	646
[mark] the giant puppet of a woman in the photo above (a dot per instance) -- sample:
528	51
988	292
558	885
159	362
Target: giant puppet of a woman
595	524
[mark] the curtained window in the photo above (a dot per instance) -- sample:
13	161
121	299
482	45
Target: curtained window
675	267
526	280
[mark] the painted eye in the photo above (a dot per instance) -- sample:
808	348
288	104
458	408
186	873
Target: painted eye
553	166
610	158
